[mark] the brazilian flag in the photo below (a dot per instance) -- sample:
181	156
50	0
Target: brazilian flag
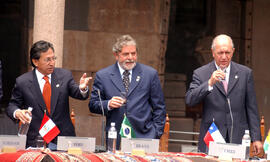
126	130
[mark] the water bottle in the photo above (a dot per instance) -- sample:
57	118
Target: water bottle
112	136
246	143
24	127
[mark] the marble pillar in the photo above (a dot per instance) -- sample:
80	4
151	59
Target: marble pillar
49	25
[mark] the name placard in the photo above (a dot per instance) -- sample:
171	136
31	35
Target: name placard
13	141
148	145
85	143
227	149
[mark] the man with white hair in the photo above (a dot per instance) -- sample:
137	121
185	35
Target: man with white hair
227	94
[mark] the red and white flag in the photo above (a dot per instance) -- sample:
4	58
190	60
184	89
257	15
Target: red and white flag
213	134
48	130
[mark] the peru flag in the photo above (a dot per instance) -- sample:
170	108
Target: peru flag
48	130
213	134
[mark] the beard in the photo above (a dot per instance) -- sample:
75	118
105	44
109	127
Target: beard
128	64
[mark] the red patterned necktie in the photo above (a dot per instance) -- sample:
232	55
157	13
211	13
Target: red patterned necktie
47	93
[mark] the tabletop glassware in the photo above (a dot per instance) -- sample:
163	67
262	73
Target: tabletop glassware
123	95
224	70
39	142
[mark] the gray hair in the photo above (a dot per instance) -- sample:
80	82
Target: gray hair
122	41
213	46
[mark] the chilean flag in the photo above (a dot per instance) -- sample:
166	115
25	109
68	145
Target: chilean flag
213	134
48	130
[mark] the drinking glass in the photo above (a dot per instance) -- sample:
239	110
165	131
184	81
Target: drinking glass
39	142
123	95
224	70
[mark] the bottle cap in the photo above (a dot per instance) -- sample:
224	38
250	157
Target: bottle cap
112	124
247	131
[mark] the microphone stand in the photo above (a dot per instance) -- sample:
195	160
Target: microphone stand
102	147
230	108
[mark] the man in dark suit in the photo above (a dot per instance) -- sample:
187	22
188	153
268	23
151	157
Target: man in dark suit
1	89
29	92
144	107
227	94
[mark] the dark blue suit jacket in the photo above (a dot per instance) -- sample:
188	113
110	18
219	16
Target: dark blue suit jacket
27	93
242	98
145	108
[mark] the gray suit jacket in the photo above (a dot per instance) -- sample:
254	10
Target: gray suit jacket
241	96
27	93
145	107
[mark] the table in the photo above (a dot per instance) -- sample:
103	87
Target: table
36	156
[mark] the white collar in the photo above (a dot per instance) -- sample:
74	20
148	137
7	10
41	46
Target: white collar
40	75
228	69
122	70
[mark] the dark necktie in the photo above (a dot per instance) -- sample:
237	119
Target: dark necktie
47	93
126	79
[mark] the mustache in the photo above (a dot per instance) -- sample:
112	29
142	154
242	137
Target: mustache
129	61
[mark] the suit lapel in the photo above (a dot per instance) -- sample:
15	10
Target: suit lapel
55	86
136	78
219	85
233	76
36	92
117	79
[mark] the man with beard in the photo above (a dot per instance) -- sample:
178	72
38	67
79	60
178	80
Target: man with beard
144	104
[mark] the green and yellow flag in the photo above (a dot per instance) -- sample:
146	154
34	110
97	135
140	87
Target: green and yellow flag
126	130
266	143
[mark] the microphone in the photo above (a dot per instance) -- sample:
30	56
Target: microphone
230	108
102	147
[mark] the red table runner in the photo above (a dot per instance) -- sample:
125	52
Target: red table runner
37	156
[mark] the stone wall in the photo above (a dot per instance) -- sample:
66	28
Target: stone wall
88	45
91	27
260	56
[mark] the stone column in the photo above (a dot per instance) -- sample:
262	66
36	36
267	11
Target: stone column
49	24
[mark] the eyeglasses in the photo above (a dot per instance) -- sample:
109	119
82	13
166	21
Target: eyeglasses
49	59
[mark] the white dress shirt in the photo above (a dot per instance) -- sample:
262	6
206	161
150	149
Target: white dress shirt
121	72
227	73
42	82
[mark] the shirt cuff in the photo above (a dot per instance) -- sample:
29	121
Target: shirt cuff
14	113
210	88
108	107
84	92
